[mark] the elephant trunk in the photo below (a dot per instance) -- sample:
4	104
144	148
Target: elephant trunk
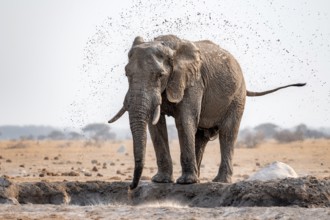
141	107
138	128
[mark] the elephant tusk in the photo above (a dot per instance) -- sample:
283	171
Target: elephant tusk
118	115
155	119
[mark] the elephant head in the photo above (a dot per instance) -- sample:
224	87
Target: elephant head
167	64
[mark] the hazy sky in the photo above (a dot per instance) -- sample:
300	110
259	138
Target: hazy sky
62	62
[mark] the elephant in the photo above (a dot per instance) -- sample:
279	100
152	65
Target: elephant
198	83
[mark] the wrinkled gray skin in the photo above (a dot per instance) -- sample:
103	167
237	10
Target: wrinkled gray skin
201	86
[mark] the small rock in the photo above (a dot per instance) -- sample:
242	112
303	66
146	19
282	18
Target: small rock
46	158
245	176
121	149
115	178
4	182
71	173
94	161
52	174
87	174
119	172
95	169
275	170
99	175
145	178
8	161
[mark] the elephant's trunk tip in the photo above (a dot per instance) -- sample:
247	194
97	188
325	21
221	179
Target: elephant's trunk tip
133	185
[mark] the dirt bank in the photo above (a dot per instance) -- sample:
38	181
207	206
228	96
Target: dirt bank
303	192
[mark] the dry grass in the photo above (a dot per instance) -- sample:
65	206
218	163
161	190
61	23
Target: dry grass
113	161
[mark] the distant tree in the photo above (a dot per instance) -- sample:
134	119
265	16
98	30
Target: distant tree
309	133
28	137
250	138
302	128
287	136
41	137
74	135
98	132
300	132
242	133
56	135
267	129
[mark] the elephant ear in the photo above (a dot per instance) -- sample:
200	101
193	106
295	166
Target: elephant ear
186	70
138	40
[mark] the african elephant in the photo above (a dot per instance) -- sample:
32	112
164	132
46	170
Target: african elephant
198	83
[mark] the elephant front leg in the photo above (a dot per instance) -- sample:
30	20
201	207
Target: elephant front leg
159	138
186	131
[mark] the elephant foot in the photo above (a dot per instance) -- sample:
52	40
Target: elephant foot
187	179
162	178
222	179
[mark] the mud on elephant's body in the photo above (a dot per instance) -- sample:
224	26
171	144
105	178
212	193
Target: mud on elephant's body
201	86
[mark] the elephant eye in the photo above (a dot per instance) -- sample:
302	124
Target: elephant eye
159	53
161	73
158	73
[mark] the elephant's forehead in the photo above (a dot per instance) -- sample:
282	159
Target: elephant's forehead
147	48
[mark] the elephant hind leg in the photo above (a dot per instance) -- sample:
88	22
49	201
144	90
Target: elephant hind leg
202	137
200	144
227	137
227	150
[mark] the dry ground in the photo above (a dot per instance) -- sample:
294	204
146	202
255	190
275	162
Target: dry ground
29	161
25	161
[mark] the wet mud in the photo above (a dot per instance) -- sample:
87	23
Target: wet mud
308	192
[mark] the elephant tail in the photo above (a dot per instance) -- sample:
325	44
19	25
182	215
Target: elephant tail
251	94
